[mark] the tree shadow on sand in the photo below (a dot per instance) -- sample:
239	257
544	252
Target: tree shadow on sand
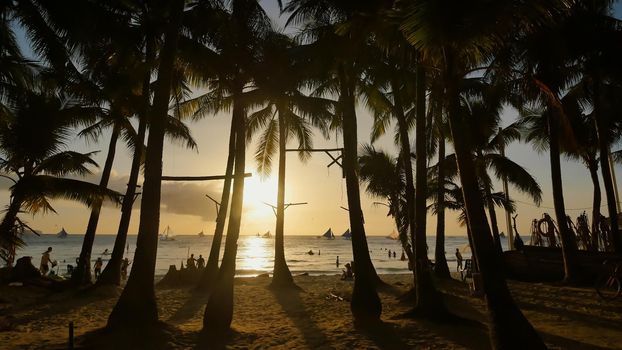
292	304
160	336
191	306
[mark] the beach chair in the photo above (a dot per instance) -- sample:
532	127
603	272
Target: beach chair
467	271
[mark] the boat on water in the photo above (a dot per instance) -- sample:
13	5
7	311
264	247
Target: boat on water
62	233
347	234
165	236
328	234
201	234
266	235
394	236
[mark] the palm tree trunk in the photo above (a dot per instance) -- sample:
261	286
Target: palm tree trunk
593	168
365	303
137	303
219	309
82	274
493	221
211	268
429	301
402	126
112	272
7	227
569	245
441	269
603	147
509	329
282	276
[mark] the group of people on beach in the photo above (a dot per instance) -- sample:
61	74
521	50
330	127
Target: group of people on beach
47	263
193	263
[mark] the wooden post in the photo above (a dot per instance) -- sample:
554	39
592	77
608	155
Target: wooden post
70	345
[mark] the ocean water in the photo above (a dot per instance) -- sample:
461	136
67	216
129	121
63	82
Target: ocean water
255	254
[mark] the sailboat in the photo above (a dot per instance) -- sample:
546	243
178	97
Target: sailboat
394	236
267	235
62	233
329	234
165	235
347	234
201	234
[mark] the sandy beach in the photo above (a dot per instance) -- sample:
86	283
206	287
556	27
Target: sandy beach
317	317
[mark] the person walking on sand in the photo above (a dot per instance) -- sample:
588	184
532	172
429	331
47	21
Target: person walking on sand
200	262
458	259
45	260
98	267
124	265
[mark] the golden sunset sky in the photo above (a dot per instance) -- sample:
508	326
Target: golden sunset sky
187	211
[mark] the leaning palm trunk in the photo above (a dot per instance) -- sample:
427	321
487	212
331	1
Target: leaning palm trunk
603	147
441	269
82	274
137	303
7	228
208	277
365	303
593	168
429	301
509	329
112	272
219	309
493	220
569	245
282	276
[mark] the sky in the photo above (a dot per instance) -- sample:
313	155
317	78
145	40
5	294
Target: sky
187	210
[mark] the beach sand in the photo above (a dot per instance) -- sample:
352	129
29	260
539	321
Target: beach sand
317	317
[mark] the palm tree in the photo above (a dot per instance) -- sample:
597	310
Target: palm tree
137	304
384	176
593	36
343	52
285	112
34	129
239	34
458	41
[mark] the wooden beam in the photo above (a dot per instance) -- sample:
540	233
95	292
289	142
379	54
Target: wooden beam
199	178
313	149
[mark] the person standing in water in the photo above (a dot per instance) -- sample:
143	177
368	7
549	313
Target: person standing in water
45	260
337	261
458	259
98	267
124	265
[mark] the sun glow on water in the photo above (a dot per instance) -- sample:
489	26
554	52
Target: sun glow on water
256	254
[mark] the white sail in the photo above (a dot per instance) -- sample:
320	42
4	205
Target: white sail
165	235
267	235
394	236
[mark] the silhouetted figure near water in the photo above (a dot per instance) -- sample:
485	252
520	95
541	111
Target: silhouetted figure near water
124	265
45	260
190	263
458	260
347	273
389	253
98	267
337	261
200	262
394	254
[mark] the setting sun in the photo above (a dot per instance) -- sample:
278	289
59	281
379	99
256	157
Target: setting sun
257	192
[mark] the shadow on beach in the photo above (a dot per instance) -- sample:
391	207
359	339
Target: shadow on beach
292	305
